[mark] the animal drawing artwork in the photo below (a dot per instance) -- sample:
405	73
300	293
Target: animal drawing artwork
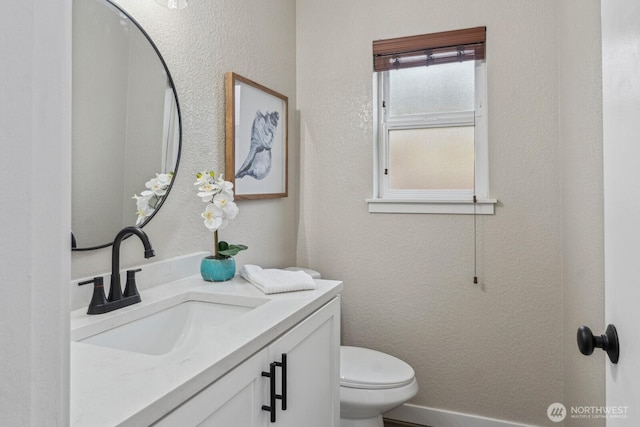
258	161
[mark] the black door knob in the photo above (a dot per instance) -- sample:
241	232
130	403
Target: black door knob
607	341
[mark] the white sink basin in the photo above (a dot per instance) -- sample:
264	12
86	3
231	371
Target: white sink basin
162	327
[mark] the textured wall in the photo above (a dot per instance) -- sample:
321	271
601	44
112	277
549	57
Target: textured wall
255	39
493	349
582	195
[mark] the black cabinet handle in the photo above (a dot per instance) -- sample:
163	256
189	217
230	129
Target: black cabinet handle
271	408
272	391
607	341
283	397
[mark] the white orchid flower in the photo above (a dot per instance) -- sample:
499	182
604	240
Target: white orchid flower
157	185
148	200
164	178
221	199
213	217
204	177
206	196
225	187
143	210
207	191
227	208
143	198
218	193
144	213
225	202
209	187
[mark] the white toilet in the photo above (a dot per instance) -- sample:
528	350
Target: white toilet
372	383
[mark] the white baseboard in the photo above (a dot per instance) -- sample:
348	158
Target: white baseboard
440	418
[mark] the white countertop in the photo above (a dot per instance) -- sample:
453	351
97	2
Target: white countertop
112	387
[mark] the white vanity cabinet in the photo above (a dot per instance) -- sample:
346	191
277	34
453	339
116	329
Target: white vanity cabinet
307	356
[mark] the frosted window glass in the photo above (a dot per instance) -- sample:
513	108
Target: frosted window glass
437	89
432	158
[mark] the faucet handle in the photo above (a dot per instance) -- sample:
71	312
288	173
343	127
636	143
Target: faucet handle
98	299
86	282
130	289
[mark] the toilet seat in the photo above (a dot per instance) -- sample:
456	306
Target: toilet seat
363	368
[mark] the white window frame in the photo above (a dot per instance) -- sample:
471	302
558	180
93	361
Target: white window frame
387	200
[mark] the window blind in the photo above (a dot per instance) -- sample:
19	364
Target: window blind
429	49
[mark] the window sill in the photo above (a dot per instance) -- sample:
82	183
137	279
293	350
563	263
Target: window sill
482	206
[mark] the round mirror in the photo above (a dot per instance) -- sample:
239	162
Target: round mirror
126	125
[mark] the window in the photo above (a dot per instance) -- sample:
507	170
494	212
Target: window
431	151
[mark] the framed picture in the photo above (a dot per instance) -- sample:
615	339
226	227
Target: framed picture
256	139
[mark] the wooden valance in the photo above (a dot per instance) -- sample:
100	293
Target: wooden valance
429	49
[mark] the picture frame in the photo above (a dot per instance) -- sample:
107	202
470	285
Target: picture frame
257	139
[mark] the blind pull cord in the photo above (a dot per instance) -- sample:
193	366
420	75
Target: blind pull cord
475	240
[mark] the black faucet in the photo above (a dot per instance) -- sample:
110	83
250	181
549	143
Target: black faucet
115	291
116	300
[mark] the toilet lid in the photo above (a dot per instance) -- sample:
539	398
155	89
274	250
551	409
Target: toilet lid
369	369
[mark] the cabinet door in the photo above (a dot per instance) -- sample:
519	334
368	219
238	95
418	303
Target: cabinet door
232	401
312	351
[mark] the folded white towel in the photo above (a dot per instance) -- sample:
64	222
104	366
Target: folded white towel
271	281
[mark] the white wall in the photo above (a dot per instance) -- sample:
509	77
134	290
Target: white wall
493	349
255	39
35	170
582	195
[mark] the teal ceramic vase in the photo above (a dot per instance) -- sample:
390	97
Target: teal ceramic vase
217	270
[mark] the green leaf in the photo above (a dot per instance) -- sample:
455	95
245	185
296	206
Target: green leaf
239	247
230	250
